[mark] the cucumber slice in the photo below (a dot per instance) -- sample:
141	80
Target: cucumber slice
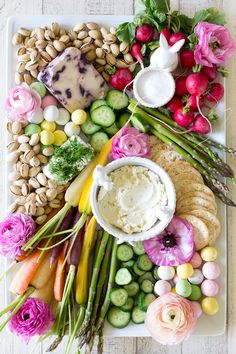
137	270
112	130
148	276
123	277
118	318
89	128
155	273
147	286
139	299
144	263
123	119
147	300
117	99
138	248
103	116
138	316
96	104
127	307
98	140
118	296
140	123
128	264
124	253
132	288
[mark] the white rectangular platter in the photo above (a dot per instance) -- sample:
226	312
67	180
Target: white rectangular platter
207	325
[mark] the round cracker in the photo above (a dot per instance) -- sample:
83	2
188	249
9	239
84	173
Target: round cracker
182	187
210	220
200	231
196	194
186	176
178	167
166	157
209	204
188	208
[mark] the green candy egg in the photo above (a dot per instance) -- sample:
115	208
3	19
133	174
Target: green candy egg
32	128
183	288
39	87
196	293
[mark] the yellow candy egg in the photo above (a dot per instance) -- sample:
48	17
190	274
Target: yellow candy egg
173	290
209	254
185	271
59	137
79	116
49	126
210	305
46	137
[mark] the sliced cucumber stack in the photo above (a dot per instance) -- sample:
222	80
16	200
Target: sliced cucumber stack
138	316
103	116
89	128
117	100
123	119
98	140
96	104
123	277
124	253
140	123
119	296
118	318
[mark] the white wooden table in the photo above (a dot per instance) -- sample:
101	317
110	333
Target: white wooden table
196	345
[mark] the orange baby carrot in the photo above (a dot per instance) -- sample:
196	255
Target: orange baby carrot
60	275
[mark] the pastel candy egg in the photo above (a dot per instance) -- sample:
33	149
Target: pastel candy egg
209	254
39	87
176	279
71	129
166	272
46	137
59	137
196	293
51	113
185	270
211	270
79	116
36	117
32	128
48	101
210	305
209	287
197	277
183	288
162	287
196	260
50	126
197	308
63	116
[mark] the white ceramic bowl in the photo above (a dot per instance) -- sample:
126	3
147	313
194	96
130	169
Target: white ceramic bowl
160	225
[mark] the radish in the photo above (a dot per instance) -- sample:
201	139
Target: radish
180	86
210	72
184	117
136	52
196	84
144	33
201	125
192	102
187	58
166	32
174	104
177	36
121	79
215	93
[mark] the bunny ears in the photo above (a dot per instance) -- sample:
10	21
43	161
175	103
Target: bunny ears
165	46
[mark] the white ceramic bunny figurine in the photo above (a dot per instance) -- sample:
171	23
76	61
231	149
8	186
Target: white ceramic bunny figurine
165	57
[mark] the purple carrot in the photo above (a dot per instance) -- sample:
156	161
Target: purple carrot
76	243
65	225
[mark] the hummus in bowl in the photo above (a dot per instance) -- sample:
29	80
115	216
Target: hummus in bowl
132	198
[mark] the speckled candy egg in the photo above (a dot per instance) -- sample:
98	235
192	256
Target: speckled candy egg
196	260
48	101
63	116
59	137
196	293
39	87
36	117
197	277
46	137
50	126
210	305
197	308
71	129
210	287
211	270
162	287
185	270
166	272
79	116
51	113
183	288
209	254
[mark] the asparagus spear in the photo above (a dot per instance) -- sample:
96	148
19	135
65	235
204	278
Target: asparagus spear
218	146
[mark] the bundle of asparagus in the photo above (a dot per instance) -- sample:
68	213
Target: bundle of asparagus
196	149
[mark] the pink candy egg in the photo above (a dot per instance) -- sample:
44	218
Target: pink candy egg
209	287
48	101
162	287
176	279
197	308
196	260
211	270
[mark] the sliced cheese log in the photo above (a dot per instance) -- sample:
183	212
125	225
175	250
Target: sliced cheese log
200	231
73	80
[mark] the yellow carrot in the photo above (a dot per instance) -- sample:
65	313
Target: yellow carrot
101	159
43	273
46	293
83	267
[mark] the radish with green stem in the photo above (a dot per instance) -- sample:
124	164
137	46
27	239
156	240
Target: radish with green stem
210	72
187	58
177	36
201	125
215	93
174	104
144	33
166	32
184	117
136	52
196	84
180	86
192	102
121	79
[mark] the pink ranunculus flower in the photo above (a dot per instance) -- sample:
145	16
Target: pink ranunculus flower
170	319
173	246
130	142
15	230
22	102
215	44
33	318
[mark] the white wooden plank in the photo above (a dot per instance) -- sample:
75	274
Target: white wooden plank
147	345
109	7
